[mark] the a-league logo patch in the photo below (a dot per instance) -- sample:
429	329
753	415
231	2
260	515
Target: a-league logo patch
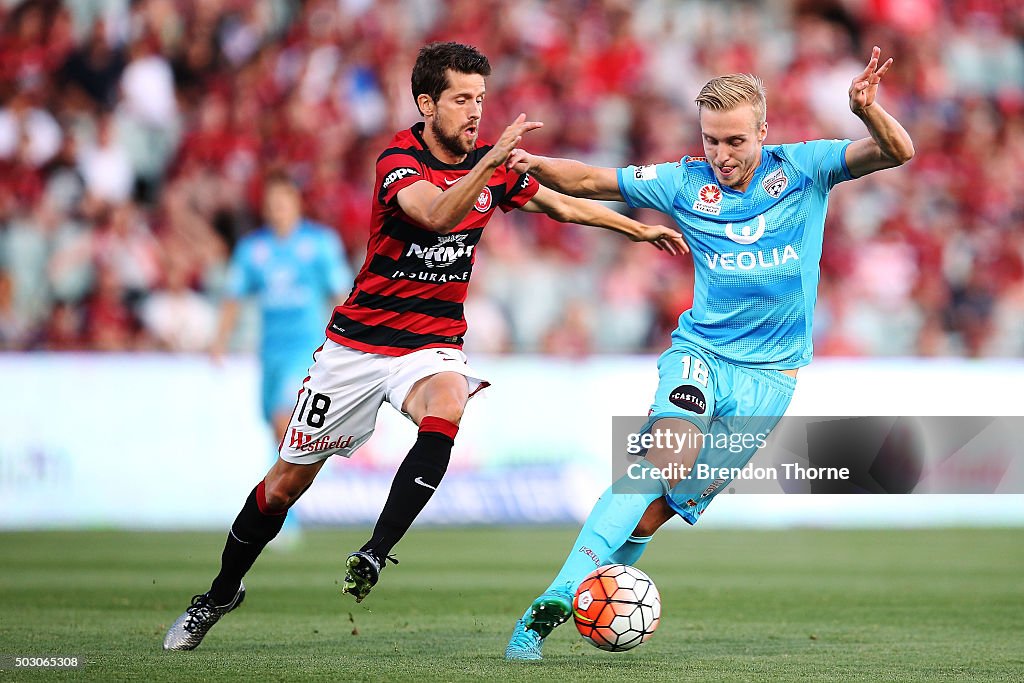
709	200
483	202
689	398
710	194
775	183
648	172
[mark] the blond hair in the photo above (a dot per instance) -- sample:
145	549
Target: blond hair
727	92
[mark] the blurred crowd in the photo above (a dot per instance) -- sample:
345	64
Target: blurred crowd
135	136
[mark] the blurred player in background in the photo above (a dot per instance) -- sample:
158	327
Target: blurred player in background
296	269
398	336
754	218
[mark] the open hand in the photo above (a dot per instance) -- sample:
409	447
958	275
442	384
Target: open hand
665	239
865	84
510	139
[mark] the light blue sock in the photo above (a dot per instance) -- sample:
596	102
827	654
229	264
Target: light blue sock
608	527
631	550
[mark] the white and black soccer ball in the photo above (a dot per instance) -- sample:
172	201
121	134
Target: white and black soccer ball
617	607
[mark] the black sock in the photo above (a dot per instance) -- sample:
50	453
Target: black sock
415	482
252	531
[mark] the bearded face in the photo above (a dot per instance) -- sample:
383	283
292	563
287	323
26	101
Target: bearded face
454	119
458	139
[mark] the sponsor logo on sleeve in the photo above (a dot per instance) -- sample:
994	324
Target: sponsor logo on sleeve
648	172
689	398
397	175
775	183
709	200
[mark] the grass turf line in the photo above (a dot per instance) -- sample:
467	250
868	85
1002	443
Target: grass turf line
796	605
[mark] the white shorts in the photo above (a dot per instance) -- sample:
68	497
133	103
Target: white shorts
337	407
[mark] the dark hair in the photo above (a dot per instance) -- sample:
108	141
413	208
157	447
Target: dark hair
279	176
429	75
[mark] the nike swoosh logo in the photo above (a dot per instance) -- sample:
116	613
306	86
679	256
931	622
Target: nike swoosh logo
419	480
451	182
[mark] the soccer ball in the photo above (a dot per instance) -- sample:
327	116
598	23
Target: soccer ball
617	607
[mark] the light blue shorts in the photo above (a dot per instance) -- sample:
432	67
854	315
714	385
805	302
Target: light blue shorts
735	408
282	379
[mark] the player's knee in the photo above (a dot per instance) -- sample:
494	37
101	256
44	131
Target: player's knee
449	401
654	517
280	495
448	408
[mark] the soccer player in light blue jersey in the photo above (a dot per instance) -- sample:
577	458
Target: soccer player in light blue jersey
297	271
753	216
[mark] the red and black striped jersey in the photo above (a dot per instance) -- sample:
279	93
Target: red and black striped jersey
409	294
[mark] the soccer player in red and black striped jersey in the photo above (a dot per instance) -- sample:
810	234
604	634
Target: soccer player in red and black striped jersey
398	336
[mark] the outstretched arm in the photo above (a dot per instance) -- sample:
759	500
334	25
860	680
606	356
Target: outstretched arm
567	176
584	212
441	211
889	144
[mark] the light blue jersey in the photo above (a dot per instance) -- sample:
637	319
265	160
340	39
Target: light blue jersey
755	253
295	281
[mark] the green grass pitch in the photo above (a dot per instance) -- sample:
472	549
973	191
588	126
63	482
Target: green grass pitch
797	605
